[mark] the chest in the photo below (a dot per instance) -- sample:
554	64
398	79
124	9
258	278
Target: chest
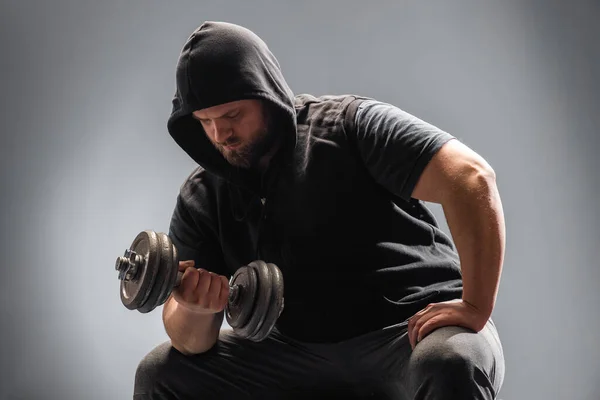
320	214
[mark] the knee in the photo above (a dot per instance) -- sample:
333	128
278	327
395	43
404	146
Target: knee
444	358
449	364
151	369
456	362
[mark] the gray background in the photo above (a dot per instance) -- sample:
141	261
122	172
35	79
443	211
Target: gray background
86	163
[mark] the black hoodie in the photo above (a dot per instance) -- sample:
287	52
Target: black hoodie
333	210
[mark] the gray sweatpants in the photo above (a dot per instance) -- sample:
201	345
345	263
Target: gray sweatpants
450	363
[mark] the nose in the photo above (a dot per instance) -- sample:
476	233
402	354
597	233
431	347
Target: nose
221	131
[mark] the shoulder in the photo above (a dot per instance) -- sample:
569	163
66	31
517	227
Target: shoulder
198	190
327	109
304	100
195	181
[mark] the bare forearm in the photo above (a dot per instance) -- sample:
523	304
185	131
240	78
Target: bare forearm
189	331
476	221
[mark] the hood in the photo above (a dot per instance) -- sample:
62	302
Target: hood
222	62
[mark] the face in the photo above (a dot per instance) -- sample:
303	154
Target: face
239	130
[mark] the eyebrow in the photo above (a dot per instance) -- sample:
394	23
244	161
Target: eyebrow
227	114
231	112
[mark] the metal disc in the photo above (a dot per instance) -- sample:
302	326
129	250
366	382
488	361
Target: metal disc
239	313
168	266
263	299
165	258
134	292
172	274
275	305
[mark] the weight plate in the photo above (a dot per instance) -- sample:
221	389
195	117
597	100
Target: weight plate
172	274
275	306
169	264
239	312
263	299
165	258
135	292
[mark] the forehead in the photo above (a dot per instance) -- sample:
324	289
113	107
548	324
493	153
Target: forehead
222	109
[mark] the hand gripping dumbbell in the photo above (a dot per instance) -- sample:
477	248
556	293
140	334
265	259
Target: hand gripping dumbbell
149	271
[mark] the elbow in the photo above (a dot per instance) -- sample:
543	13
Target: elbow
476	182
481	169
486	179
488	173
480	175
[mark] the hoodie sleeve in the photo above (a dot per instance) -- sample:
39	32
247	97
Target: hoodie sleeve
192	235
394	145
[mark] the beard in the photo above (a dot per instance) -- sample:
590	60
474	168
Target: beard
248	155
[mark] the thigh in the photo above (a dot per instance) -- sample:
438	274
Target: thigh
385	361
233	368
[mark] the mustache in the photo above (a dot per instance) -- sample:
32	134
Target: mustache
229	143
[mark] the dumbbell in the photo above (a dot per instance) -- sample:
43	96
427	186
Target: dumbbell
149	271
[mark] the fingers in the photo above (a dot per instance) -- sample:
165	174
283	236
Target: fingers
416	333
189	281
437	315
209	289
224	293
201	290
434	322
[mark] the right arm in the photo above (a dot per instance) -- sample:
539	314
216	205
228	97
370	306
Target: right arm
193	313
190	333
192	327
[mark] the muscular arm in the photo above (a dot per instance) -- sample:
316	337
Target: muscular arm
415	159
190	332
192	233
465	185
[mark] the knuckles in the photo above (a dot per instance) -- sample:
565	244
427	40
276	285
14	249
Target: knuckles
203	289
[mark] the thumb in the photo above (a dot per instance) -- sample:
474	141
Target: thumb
183	265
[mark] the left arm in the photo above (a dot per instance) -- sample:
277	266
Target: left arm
465	185
415	159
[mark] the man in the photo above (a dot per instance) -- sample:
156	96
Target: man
331	189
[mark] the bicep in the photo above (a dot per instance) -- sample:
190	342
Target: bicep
449	171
